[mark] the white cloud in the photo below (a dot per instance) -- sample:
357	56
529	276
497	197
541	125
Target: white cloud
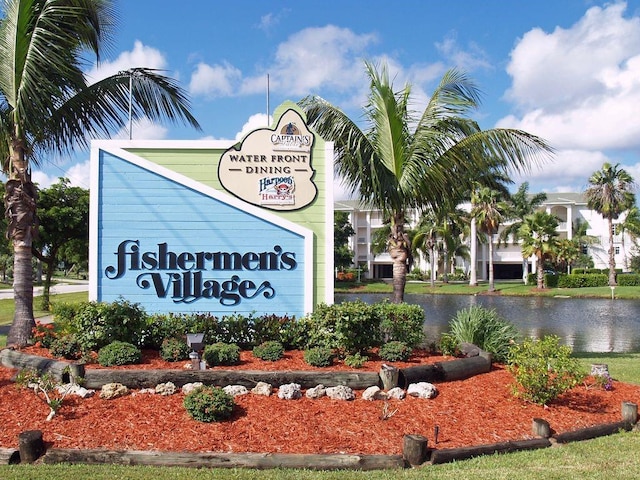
579	87
79	174
141	56
215	80
258	120
469	59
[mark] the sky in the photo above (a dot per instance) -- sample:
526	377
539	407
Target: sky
567	71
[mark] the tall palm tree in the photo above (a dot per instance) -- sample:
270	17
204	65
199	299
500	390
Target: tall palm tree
520	204
425	239
538	233
488	210
630	226
47	106
401	162
610	193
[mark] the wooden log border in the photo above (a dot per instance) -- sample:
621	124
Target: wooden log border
14	359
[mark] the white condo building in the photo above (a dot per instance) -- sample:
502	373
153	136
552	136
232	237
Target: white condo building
569	208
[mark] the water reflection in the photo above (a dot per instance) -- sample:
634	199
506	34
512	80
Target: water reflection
587	325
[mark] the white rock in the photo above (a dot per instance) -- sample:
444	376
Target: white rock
262	388
187	388
75	389
396	393
422	390
168	388
340	392
236	390
113	390
374	393
316	392
290	391
146	391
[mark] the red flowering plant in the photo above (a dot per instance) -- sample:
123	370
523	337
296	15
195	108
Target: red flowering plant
43	334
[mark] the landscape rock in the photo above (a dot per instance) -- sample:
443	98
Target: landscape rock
469	349
187	388
262	388
146	391
422	390
236	390
75	389
316	392
168	388
340	392
290	391
374	393
396	393
113	390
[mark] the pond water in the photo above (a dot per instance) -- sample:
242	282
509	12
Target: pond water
587	325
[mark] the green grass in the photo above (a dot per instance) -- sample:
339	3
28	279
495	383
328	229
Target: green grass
614	457
512	288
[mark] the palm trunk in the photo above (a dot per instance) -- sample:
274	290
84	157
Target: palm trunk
492	287
612	257
23	321
540	272
399	249
473	278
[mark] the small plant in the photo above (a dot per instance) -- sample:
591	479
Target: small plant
270	351
356	360
174	349
319	356
543	369
221	354
209	404
604	381
395	351
44	386
119	353
43	334
66	346
449	345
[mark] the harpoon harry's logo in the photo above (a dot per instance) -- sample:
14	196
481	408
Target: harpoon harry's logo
277	191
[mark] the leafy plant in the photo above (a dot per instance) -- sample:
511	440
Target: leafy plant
270	351
43	334
449	345
66	346
318	356
119	353
484	328
209	404
395	351
356	360
543	369
221	354
174	349
401	322
44	386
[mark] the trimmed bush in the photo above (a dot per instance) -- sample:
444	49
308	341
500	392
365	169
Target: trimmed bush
221	354
449	345
356	360
174	349
209	404
269	351
484	328
401	322
543	369
395	351
66	346
119	353
628	280
581	281
319	356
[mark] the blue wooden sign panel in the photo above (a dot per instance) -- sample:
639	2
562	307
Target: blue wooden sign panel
170	247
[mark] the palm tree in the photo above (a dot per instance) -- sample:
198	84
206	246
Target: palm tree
610	193
631	226
538	233
401	162
567	252
520	204
424	239
488	210
47	106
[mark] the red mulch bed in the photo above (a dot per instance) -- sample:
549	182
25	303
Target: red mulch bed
475	411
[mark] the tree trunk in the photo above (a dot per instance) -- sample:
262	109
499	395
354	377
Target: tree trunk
612	257
23	321
540	272
473	276
492	286
399	257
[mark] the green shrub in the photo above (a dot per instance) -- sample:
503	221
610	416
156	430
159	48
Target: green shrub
319	356
543	369
401	322
449	345
395	351
271	351
583	280
97	324
174	349
64	312
356	360
628	280
221	354
66	346
209	404
119	353
484	328
348	326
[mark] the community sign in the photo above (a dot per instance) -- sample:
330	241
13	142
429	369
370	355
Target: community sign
215	226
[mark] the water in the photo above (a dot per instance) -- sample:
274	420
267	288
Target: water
587	325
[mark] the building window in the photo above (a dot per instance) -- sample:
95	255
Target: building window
617	250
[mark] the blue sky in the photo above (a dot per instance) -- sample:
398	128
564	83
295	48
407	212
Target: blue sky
568	71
